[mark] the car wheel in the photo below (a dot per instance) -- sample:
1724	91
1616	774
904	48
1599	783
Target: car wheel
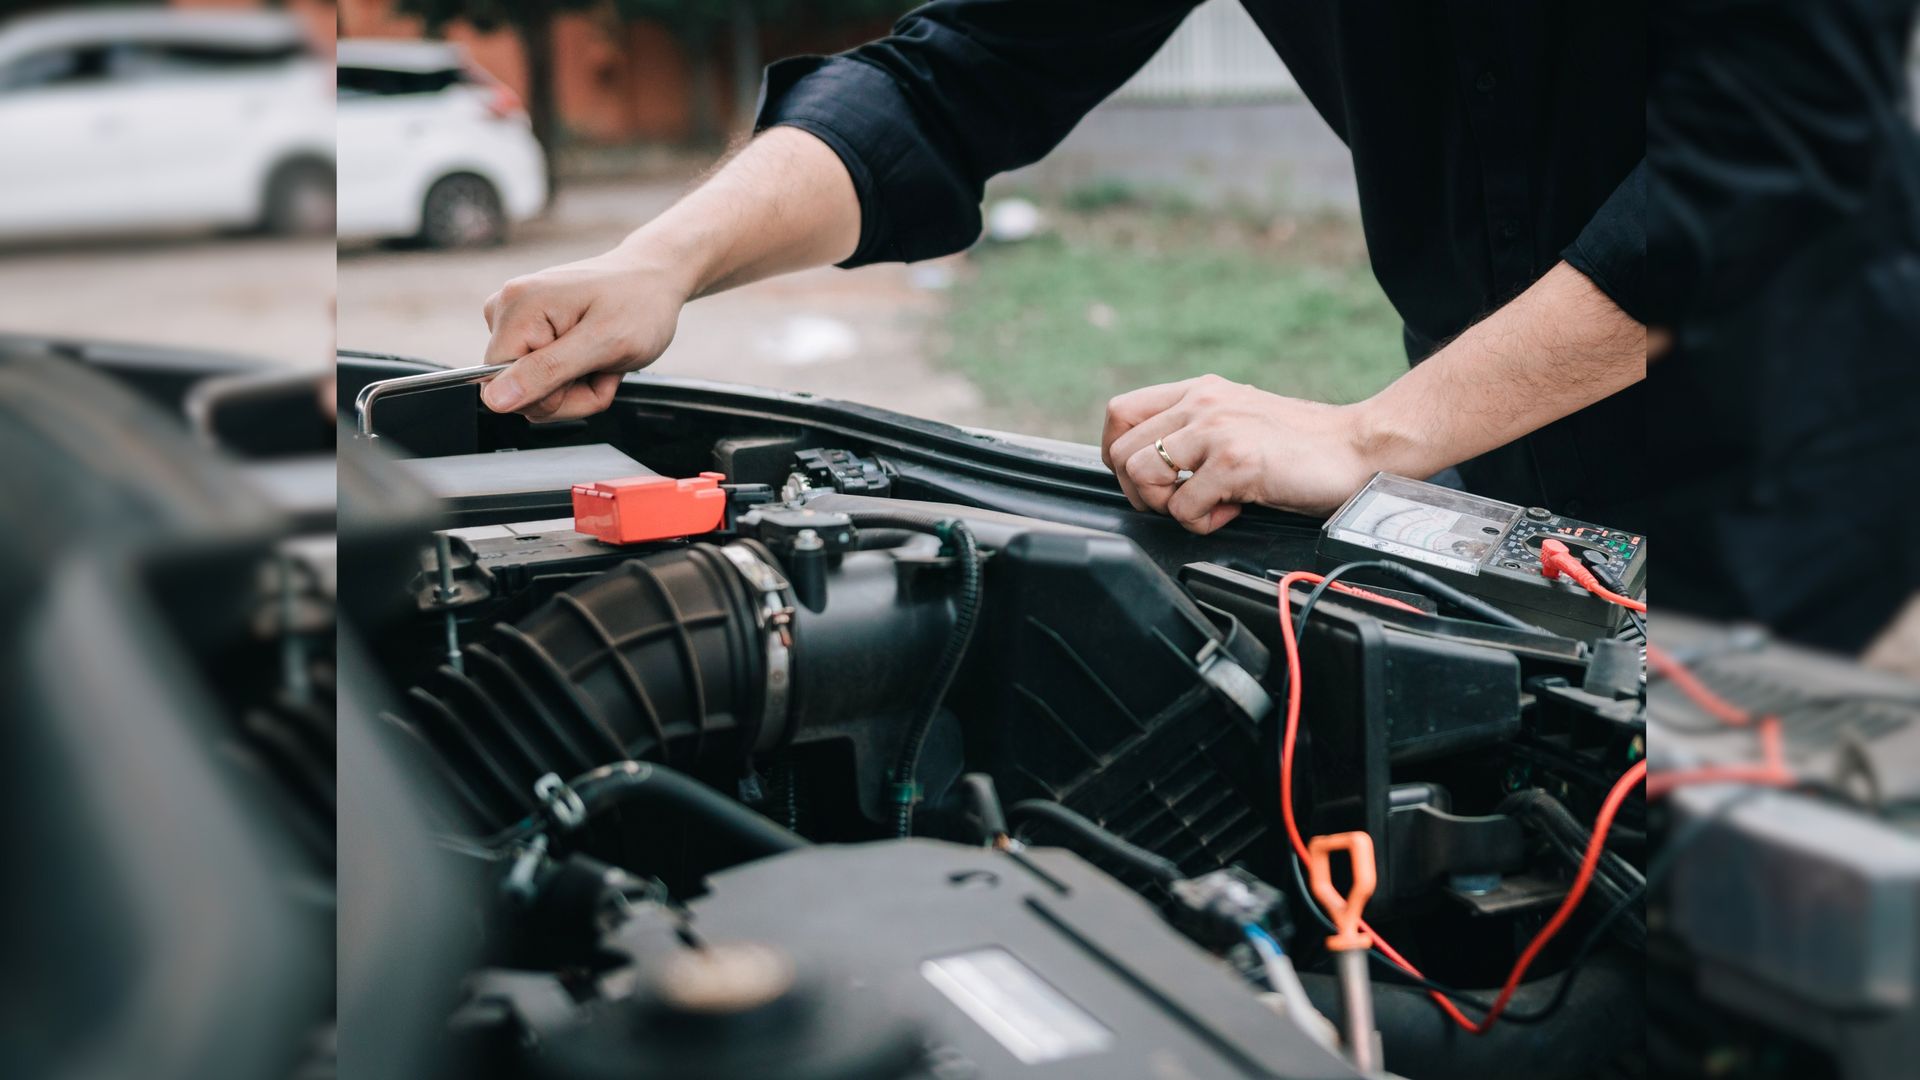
462	211
300	199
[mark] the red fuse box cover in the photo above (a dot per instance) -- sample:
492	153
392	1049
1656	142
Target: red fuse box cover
641	508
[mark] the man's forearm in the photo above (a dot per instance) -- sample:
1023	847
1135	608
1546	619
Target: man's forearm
1556	348
785	202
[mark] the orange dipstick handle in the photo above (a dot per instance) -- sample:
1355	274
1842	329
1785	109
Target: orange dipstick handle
1344	910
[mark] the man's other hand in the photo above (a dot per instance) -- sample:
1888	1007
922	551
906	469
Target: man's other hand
571	331
1242	446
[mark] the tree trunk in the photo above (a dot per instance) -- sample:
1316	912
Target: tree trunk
543	107
705	99
746	64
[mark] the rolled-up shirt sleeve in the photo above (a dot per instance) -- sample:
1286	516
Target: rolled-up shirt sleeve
1612	249
960	91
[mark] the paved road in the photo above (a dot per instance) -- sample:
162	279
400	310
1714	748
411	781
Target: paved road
256	297
861	334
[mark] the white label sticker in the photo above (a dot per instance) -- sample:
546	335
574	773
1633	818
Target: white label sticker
1034	1021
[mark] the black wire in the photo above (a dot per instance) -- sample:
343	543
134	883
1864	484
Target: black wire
1657	870
1319	590
1101	840
1613	583
954	533
1614	876
1299	635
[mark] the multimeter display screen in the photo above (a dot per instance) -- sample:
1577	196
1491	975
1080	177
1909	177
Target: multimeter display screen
1424	523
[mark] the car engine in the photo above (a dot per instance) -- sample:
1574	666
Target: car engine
781	741
736	733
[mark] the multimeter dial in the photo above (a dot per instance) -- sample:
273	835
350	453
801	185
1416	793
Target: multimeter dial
1488	548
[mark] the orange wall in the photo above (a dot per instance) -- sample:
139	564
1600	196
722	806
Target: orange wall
611	86
614	83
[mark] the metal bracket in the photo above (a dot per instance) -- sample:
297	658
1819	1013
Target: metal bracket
1231	681
1425	844
363	402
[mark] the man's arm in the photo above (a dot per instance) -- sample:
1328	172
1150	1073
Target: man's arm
784	203
893	144
1556	348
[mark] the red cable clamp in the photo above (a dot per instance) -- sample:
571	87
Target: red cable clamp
641	508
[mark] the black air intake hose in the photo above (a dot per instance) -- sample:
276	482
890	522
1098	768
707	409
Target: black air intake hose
660	654
665	658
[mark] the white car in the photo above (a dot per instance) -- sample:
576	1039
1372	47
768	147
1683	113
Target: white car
431	147
116	121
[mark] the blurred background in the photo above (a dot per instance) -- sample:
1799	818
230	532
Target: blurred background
1201	220
170	176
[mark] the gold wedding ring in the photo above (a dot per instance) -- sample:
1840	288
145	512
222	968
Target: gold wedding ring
1180	475
1166	457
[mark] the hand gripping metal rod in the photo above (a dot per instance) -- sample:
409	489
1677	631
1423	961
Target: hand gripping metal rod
414	384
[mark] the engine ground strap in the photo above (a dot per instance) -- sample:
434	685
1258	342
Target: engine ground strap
775	619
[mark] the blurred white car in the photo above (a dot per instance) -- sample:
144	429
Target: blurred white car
432	147
140	119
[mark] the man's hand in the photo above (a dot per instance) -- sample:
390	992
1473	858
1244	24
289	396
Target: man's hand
785	202
571	331
1242	445
1558	347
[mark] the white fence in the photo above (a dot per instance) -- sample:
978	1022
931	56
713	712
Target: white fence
1218	54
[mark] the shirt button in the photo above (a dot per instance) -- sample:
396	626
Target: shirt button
1486	82
1509	229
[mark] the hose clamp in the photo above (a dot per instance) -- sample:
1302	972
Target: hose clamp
562	802
775	620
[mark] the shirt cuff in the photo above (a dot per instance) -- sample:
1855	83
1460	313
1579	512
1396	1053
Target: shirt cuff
912	205
1612	250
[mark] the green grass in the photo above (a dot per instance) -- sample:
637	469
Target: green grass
1121	295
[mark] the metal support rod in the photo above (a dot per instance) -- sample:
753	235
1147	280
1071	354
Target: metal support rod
1356	1009
293	649
443	554
363	402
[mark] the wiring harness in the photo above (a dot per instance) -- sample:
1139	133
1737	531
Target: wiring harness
1590	858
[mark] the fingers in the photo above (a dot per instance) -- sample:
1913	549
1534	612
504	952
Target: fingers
1150	468
1133	408
1152	479
538	375
1142	436
1206	502
583	397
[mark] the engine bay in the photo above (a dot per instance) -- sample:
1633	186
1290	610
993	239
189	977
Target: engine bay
913	751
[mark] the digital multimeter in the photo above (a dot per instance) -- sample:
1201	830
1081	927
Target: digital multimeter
1490	549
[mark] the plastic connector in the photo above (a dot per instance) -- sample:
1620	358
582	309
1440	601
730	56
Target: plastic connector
1556	560
638	509
1216	908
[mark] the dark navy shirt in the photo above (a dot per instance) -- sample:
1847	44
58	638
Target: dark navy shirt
1490	138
